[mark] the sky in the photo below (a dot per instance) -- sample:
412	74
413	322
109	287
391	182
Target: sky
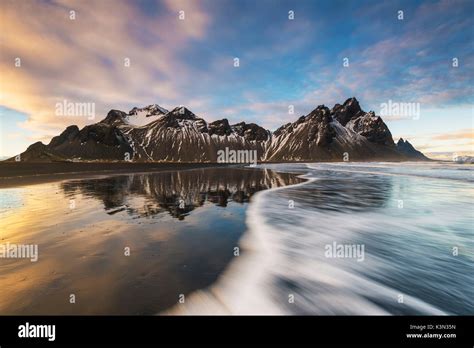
117	54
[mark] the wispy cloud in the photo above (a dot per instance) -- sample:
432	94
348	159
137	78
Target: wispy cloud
458	135
283	62
84	60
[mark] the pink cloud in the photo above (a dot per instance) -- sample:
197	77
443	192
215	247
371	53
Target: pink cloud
83	60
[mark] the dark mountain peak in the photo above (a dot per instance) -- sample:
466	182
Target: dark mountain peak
181	112
101	133
71	129
152	133
405	144
39	152
321	114
407	149
181	117
320	129
37	145
251	131
352	101
320	110
66	136
372	127
150	110
347	111
115	117
314	128
220	127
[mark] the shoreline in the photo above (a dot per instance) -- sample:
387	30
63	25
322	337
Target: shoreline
9	169
244	288
14	174
166	259
240	275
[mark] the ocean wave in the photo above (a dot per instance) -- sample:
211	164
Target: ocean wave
283	268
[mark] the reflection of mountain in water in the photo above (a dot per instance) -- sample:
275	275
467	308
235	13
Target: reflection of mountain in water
177	192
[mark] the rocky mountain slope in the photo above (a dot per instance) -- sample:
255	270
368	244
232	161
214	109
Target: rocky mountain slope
407	149
156	134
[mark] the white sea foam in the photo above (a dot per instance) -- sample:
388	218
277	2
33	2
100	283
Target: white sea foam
283	253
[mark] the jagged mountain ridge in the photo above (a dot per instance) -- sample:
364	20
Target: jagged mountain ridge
156	134
406	148
143	116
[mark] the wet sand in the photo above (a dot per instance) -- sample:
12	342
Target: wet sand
13	174
181	228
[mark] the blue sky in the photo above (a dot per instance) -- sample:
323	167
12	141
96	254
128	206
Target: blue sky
282	62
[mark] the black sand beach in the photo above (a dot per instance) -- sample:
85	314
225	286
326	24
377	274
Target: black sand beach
181	228
25	173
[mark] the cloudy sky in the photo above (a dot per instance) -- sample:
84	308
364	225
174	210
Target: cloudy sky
282	62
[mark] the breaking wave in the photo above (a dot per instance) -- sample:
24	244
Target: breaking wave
410	218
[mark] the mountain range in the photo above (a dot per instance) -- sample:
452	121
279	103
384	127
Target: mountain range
153	133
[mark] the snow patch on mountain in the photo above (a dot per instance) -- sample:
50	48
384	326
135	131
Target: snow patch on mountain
139	117
153	133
